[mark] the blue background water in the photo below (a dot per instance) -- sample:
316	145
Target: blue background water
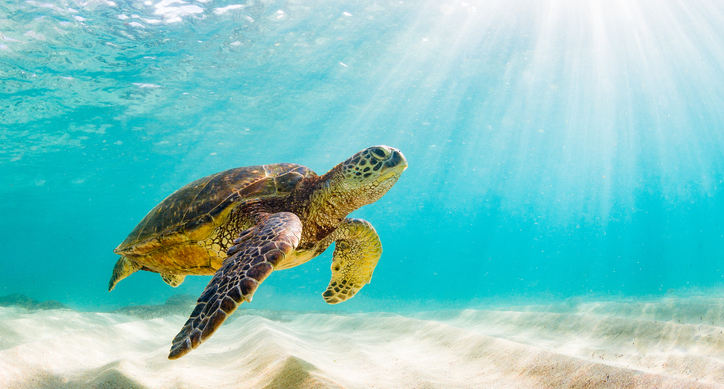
557	148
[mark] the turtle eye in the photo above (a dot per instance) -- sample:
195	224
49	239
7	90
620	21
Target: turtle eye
381	152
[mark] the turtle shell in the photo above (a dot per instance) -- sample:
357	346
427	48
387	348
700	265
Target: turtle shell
193	211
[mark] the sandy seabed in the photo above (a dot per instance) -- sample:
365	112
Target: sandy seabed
666	343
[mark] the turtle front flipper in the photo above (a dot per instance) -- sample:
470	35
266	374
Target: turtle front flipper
357	250
258	250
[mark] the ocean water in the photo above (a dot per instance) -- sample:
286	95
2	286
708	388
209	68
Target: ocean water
557	149
559	224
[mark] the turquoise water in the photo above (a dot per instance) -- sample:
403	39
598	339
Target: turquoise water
557	148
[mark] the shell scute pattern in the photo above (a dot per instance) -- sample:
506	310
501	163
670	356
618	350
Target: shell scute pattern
201	203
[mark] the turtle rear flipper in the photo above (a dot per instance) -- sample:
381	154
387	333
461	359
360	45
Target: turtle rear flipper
124	268
173	279
253	259
356	252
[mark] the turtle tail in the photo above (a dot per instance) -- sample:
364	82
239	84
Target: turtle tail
124	268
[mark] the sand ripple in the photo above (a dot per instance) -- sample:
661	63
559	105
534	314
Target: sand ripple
594	345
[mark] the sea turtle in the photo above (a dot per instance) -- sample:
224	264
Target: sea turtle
242	223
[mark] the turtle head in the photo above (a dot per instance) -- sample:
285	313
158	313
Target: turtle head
367	175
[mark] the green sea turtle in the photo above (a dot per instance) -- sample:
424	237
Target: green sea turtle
242	223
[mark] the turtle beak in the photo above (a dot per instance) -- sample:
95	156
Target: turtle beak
394	165
402	160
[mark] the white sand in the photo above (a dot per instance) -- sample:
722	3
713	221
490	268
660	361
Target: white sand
668	343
